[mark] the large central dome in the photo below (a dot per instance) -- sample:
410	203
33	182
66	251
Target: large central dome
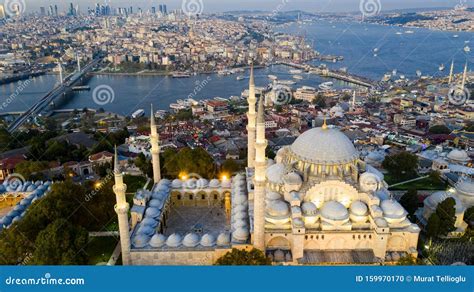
320	145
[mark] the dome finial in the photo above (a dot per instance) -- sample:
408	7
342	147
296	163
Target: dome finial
325	125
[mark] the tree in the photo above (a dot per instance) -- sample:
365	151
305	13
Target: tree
408	261
230	166
238	257
469	215
432	228
30	169
439	129
402	165
60	244
447	216
409	201
144	164
187	161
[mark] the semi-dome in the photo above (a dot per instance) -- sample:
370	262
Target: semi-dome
333	210
275	173
140	240
278	209
465	192
358	208
321	145
158	240
191	240
309	209
223	239
438	197
392	209
458	155
208	240
174	240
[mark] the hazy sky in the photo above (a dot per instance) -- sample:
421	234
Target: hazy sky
226	5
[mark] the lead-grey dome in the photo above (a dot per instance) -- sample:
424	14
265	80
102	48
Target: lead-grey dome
320	145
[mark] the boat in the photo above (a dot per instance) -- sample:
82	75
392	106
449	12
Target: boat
298	77
376	50
399	32
467	49
240	78
326	85
441	67
394	72
409	32
160	114
375	55
386	77
181	75
296	71
286	82
418	73
138	114
455	36
272	77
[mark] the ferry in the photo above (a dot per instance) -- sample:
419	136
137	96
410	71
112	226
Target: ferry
296	71
441	67
298	77
138	114
326	85
467	49
181	75
272	77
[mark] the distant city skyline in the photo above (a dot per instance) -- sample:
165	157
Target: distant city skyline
267	5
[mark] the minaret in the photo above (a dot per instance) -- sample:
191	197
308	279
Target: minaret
451	71
155	148
464	76
121	208
259	181
251	121
354	100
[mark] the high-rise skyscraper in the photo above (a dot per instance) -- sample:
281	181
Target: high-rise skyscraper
160	8
42	11
55	10
71	10
165	9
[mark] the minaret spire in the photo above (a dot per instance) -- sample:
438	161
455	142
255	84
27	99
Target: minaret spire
451	72
155	148
251	116
121	208
464	76
260	180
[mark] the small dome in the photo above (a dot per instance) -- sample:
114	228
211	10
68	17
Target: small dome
19	208
191	240
278	209
6	221
157	241
298	222
240	234
392	209
292	182
214	183
273	196
223	239
381	222
334	211
31	188
359	208
226	183
159	195
177	184
150	222
202	183
465	187
174	240
146	230
140	241
155	203
275	173
309	209
208	240
152	212
458	155
162	188
190	183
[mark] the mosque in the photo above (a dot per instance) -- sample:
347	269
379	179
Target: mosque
318	203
